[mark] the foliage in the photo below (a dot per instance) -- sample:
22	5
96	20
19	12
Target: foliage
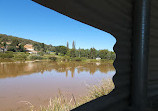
93	53
72	53
21	48
20	56
66	58
61	49
41	53
67	45
113	55
76	59
12	48
83	58
7	54
73	45
104	54
35	57
14	43
53	58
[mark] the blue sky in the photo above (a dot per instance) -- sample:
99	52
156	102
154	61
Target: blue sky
26	19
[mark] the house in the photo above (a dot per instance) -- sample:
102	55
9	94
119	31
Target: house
2	49
29	48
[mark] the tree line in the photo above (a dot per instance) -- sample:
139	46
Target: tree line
91	53
16	44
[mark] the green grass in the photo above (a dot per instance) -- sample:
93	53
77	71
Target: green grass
62	103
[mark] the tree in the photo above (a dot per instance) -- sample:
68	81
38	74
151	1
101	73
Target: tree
72	53
61	49
15	42
104	54
73	45
87	53
93	53
21	48
113	55
68	45
37	46
79	50
43	49
4	44
12	48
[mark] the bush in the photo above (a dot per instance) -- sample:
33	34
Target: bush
66	58
104	60
83	58
76	59
53	58
20	56
41	53
6	55
34	57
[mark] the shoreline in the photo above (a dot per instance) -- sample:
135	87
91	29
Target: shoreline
31	61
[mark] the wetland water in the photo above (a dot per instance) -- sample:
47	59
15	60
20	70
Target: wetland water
37	82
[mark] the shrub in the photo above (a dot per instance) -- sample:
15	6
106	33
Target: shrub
41	53
76	59
83	58
34	57
20	56
6	55
66	58
104	60
53	58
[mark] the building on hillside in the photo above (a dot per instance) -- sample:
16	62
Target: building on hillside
29	48
2	49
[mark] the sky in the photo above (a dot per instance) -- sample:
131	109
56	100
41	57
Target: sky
29	20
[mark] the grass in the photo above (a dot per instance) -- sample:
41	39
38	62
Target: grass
61	103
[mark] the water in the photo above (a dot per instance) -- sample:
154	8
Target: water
37	82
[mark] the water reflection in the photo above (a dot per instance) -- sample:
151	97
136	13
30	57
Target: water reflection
18	69
37	82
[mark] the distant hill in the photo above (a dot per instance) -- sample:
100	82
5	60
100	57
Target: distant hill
8	39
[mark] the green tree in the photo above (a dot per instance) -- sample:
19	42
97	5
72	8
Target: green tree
61	49
21	48
79	50
4	44
37	46
104	54
113	56
73	45
15	42
72	53
12	48
93	53
43	49
68	45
